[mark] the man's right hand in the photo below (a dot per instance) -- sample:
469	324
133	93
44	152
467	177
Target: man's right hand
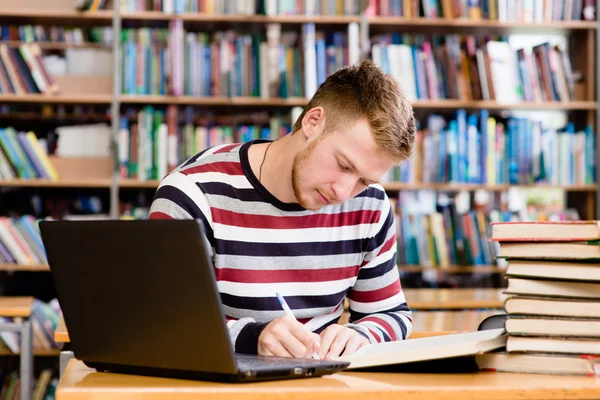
286	337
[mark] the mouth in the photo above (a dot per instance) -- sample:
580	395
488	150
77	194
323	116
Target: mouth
324	200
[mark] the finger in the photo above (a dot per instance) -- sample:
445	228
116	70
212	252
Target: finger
295	347
276	348
356	342
264	351
338	344
315	347
305	335
327	337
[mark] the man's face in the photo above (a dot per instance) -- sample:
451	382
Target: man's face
337	167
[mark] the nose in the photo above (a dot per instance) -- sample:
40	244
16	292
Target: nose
343	188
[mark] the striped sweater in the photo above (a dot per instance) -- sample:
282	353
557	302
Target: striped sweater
261	245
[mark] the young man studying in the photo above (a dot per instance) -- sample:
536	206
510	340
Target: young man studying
305	217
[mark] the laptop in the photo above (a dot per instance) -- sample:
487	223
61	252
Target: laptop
141	297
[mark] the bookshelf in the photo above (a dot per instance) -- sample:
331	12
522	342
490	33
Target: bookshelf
18	267
584	107
36	353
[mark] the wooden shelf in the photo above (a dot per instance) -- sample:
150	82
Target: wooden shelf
136	184
454	269
37	116
83	183
21	267
456	187
37	353
30	15
58	99
249	101
496	26
61	335
62	16
106	16
213	101
240	18
58	45
15	306
493	105
290	102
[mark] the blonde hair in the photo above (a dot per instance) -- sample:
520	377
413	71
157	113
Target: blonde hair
366	92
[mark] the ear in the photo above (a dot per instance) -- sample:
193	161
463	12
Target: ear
313	122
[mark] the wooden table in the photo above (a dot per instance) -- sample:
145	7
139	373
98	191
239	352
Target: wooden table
430	299
82	383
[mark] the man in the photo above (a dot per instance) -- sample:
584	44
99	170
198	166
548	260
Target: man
304	216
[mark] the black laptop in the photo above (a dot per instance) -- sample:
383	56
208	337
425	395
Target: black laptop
140	297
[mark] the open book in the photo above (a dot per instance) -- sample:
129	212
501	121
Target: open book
429	348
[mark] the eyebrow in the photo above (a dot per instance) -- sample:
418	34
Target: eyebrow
353	167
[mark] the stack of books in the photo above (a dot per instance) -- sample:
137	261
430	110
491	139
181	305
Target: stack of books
554	297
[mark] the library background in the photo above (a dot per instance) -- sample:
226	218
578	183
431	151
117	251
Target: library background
100	99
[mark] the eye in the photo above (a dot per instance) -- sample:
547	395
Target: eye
343	167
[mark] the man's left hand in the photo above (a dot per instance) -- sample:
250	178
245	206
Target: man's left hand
336	339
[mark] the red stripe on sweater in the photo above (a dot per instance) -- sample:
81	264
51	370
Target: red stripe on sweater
290	275
227	149
373	296
375	335
388	245
387	327
159	215
229	168
350	218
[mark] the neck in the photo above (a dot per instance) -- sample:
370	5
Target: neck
276	174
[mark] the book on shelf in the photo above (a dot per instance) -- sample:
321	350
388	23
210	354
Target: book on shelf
432	67
499	10
92	5
44	318
462	150
494	10
440	232
55	34
23	71
229	64
44	389
153	141
483	149
22	156
20	241
247	7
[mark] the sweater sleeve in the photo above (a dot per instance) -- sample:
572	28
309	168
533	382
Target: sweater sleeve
378	308
178	197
